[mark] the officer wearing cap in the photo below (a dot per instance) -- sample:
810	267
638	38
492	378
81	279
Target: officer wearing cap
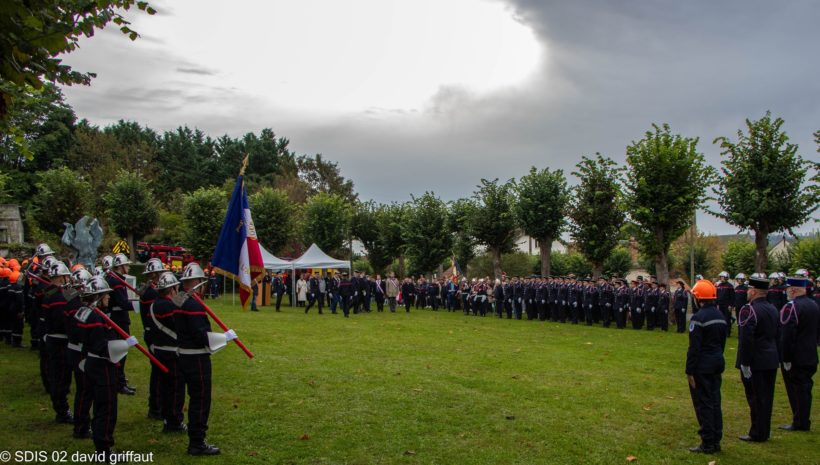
196	344
164	346
621	303
799	337
705	364
347	294
757	356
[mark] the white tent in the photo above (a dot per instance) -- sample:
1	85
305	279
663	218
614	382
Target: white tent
272	262
315	258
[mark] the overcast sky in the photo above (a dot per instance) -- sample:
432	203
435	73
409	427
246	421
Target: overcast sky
416	95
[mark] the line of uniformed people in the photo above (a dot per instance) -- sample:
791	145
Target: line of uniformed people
76	317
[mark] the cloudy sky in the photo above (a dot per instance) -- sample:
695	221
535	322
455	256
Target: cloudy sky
410	96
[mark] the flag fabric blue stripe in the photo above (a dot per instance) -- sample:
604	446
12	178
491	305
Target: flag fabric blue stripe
233	233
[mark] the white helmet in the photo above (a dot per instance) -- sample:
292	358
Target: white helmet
724	274
80	276
781	275
698	277
154	265
98	270
47	263
193	271
167	280
96	285
107	261
120	259
774	275
44	250
740	276
58	268
802	272
759	275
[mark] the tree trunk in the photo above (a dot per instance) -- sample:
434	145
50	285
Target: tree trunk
662	268
762	250
497	262
401	266
131	248
597	270
546	252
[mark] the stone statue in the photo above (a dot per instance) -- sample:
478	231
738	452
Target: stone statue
84	238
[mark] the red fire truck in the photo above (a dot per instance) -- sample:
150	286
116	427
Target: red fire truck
170	255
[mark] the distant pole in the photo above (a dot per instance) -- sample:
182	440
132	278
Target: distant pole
233	292
693	234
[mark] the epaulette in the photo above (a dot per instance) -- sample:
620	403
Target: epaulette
83	314
180	299
745	315
788	313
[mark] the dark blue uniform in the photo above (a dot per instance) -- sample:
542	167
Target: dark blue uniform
56	342
799	338
757	349
708	330
164	345
681	297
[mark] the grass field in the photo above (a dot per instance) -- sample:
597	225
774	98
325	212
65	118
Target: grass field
426	388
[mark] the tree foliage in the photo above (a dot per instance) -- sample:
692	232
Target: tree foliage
492	221
203	212
595	209
806	254
665	183
327	222
62	197
739	257
763	187
425	234
274	217
458	221
33	33
513	264
541	208
131	208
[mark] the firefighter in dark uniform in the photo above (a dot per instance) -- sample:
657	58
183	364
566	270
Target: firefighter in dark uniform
570	292
196	344
650	306
16	307
164	346
498	297
408	293
346	294
621	303
725	297
606	301
777	291
53	307
590	297
279	291
103	349
741	288
705	364
83	394
636	303
663	307
799	338
518	297
757	357
120	307
37	318
681	298
314	296
147	295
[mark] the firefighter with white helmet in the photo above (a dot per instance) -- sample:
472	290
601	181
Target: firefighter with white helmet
148	295
120	307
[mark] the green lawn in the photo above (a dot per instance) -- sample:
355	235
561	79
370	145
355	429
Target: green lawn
428	387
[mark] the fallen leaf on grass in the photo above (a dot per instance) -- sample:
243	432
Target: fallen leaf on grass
417	389
304	437
631	458
588	343
253	453
712	462
409	452
153	441
647	407
312	382
515	376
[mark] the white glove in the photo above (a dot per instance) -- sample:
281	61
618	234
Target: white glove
330	295
746	370
652	310
230	335
131	341
543	301
787	366
608	305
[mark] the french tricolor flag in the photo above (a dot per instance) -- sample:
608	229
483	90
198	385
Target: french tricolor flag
237	253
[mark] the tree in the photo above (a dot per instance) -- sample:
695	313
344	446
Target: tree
514	264
203	211
369	228
33	33
806	254
595	210
327	222
464	243
391	219
739	257
274	217
62	197
665	183
324	176
425	234
541	209
131	208
492	222
762	188
618	263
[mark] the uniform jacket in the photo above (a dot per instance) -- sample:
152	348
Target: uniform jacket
707	339
757	336
800	332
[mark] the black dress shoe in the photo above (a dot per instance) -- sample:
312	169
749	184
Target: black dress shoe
748	438
792	428
154	415
180	428
127	390
202	448
85	434
704	449
65	419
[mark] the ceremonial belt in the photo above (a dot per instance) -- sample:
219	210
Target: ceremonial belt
114	309
165	348
203	350
76	347
57	336
93	355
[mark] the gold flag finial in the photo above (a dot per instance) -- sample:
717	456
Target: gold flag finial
244	165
